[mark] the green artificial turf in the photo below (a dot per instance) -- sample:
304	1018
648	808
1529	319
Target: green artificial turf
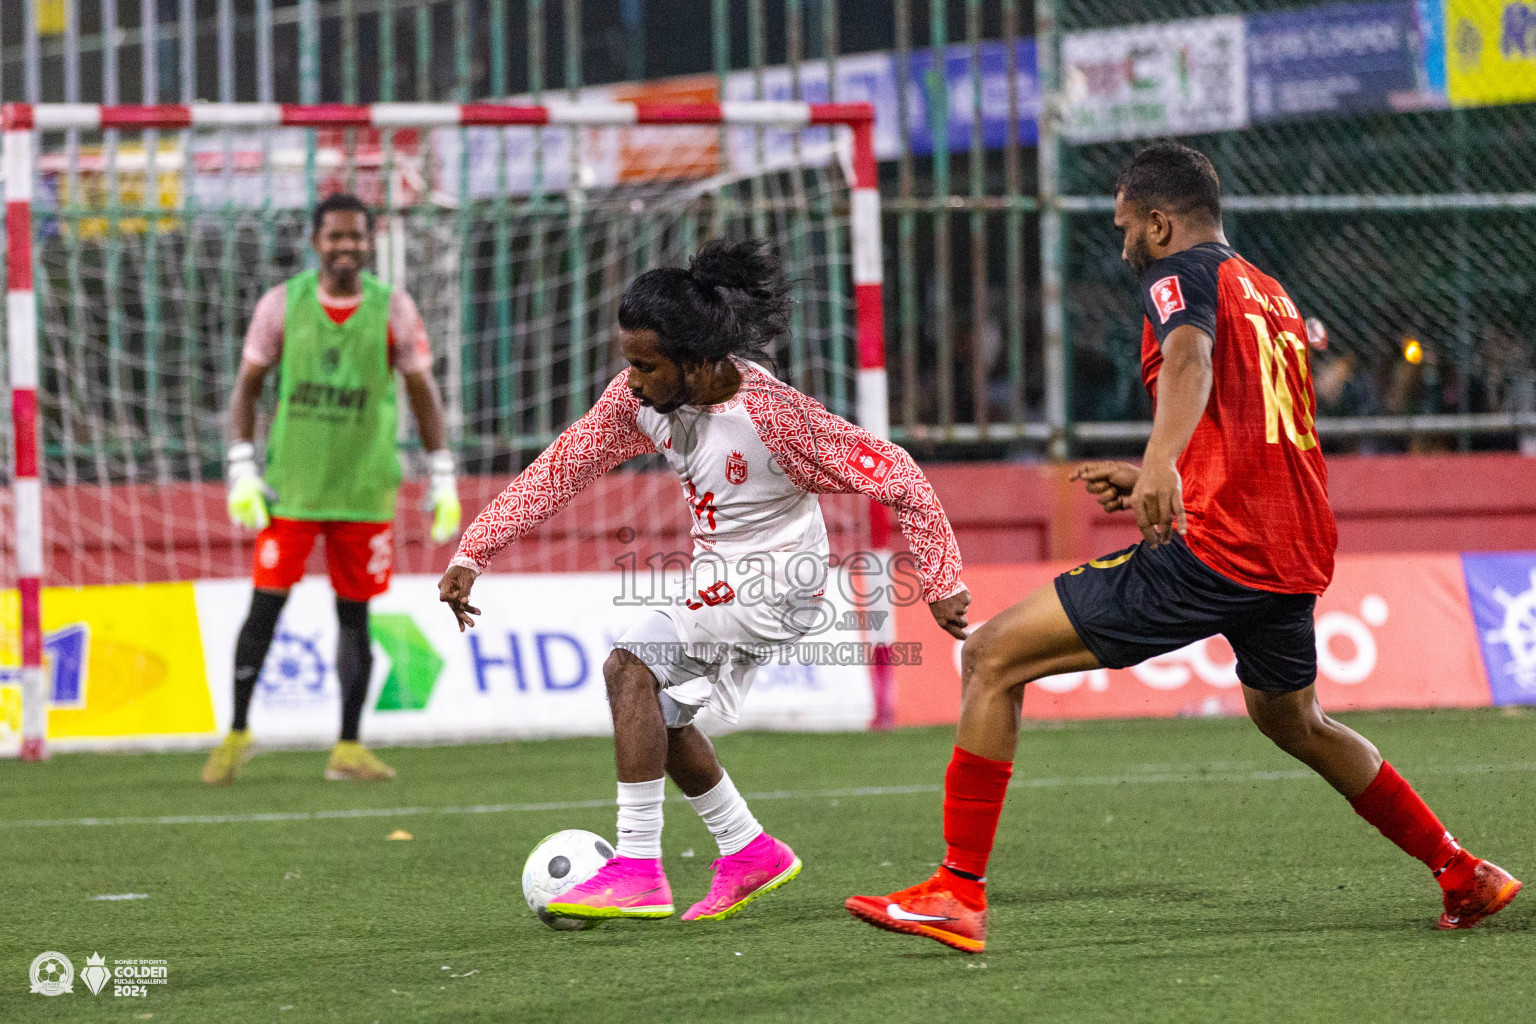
1145	871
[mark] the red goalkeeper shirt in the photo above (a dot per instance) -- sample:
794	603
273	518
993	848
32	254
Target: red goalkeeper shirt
1255	485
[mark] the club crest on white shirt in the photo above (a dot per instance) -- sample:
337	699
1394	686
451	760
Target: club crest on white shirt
736	468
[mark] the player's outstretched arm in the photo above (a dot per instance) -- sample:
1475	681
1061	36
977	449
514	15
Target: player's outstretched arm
1183	389
825	454
606	436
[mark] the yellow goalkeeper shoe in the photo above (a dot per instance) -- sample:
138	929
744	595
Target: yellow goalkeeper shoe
351	760
224	763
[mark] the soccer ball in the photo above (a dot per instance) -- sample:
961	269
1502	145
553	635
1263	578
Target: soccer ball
559	863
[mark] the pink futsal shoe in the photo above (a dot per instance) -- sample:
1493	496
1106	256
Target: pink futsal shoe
762	867
623	887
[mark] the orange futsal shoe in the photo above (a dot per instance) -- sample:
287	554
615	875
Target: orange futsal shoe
1490	891
928	908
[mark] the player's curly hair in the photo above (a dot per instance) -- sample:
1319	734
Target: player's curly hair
1172	177
731	300
341	202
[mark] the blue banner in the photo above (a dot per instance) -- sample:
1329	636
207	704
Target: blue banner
1502	589
922	90
1341	59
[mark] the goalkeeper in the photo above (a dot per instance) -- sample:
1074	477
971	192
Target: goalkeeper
337	336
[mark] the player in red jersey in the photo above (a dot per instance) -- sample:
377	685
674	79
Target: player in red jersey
1231	498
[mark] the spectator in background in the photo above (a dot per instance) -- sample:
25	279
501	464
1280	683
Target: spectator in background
1509	378
1342	387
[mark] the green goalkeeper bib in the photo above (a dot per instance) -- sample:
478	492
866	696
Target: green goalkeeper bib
331	451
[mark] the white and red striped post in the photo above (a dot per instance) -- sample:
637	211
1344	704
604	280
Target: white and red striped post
873	408
20	119
26	492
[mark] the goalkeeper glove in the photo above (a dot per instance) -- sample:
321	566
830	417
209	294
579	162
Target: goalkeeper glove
443	497
247	494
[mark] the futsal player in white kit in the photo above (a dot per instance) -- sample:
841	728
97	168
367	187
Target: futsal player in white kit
751	453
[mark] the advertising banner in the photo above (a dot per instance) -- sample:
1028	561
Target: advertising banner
861	78
1491	51
1502	589
1175	78
1341	59
993	62
151	666
1393	631
532	667
124	663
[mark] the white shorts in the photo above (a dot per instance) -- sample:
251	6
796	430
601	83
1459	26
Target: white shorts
706	654
691	676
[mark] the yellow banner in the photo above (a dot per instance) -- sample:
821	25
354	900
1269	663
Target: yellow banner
1491	51
52	17
120	661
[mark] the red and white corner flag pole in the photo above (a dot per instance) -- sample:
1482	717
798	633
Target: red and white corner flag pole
21	343
873	408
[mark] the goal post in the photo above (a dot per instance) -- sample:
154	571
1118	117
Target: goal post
28	319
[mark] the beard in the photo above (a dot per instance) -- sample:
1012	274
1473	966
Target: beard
1138	254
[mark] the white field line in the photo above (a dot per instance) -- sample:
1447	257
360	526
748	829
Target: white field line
1194	775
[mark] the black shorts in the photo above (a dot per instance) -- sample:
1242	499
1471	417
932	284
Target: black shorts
1141	602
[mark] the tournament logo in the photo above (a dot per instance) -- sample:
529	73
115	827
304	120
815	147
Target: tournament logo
1167	296
736	468
52	974
95	974
869	464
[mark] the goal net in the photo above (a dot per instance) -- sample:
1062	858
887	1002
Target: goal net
154	231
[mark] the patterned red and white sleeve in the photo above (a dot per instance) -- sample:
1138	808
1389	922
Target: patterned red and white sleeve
606	436
825	454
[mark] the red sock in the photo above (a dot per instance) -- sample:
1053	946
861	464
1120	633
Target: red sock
1392	806
974	788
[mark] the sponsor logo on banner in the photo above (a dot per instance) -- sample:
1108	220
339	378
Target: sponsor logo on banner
1393	631
121	661
1502	589
1175	78
1491	51
993	67
531	667
1339	59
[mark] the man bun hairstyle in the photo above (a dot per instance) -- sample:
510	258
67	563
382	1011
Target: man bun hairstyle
1174	178
732	300
341	202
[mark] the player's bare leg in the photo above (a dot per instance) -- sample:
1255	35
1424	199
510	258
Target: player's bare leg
639	733
691	761
1297	725
1473	889
752	863
632	884
1028	641
1032	639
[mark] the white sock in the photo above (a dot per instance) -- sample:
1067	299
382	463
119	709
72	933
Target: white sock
727	816
640	818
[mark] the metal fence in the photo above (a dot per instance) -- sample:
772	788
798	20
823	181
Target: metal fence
1012	324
